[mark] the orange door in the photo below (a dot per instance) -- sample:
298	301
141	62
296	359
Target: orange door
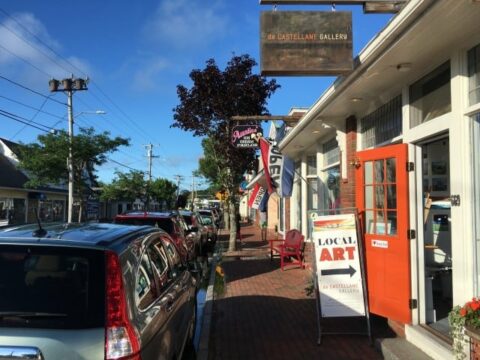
382	201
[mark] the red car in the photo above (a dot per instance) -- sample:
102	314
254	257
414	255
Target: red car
170	222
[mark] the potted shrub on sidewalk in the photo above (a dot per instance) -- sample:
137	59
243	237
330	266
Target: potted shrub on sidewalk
465	328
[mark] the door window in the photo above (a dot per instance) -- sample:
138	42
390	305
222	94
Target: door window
380	193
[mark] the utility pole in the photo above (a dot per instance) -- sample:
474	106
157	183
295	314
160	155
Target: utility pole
150	157
178	178
70	85
193	190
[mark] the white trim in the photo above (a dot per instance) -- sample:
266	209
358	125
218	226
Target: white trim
472	110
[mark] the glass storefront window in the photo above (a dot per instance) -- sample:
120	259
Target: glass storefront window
430	97
12	211
311	165
52	210
331	195
474	75
383	124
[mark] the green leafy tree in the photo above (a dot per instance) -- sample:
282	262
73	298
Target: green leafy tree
206	109
125	187
46	160
163	191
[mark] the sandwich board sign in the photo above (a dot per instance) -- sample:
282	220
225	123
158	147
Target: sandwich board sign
338	265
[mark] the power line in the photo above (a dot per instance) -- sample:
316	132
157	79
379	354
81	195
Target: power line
32	107
119	163
25	121
137	128
34	46
33	91
24	60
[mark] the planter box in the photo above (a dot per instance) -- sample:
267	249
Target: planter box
474	335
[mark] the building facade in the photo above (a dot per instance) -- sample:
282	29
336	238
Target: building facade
398	139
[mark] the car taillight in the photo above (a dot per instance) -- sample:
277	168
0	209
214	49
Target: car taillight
121	342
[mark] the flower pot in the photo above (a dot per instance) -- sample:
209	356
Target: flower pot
474	335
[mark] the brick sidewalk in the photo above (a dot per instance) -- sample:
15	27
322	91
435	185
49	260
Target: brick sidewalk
266	314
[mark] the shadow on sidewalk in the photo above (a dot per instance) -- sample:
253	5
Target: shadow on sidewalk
271	327
242	269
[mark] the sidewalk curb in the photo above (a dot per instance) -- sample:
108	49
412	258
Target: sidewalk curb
202	352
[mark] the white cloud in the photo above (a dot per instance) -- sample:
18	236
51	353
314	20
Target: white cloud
184	24
145	78
21	50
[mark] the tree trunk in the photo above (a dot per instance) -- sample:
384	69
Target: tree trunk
233	225
226	215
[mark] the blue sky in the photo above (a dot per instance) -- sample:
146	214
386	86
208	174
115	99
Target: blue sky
135	53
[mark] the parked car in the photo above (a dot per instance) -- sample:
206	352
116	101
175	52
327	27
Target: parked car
170	221
196	230
210	228
95	291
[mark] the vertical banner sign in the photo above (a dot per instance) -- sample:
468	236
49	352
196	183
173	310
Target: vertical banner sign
305	43
338	265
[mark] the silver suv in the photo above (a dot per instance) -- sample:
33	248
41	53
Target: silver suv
97	291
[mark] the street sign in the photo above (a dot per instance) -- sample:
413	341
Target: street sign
339	274
246	136
305	43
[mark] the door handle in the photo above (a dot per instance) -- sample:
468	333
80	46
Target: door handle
167	303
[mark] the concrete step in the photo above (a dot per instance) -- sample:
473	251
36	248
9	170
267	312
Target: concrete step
399	349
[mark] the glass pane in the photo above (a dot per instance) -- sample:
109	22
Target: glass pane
392	222
369	224
379	197
379	171
391	170
312	165
474	75
430	96
391	196
368	197
368	173
380	223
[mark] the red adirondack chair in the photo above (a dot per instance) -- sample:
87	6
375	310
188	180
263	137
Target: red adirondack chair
292	246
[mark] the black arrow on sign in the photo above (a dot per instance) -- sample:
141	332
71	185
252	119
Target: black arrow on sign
350	271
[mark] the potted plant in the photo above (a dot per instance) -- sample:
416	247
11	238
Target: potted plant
465	325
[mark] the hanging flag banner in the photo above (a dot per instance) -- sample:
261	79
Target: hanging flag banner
306	43
256	197
279	169
246	136
339	274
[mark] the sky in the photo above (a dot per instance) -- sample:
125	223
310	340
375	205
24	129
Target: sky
135	53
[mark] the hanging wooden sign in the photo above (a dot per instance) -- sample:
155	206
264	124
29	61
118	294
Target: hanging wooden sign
246	136
306	43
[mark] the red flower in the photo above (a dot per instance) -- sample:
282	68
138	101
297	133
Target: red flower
463	312
475	306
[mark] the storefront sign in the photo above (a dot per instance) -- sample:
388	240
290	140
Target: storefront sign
246	136
338	265
306	43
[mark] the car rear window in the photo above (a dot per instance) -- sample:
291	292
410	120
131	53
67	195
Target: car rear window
188	219
51	287
164	224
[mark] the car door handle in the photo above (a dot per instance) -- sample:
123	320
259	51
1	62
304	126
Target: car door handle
167	303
